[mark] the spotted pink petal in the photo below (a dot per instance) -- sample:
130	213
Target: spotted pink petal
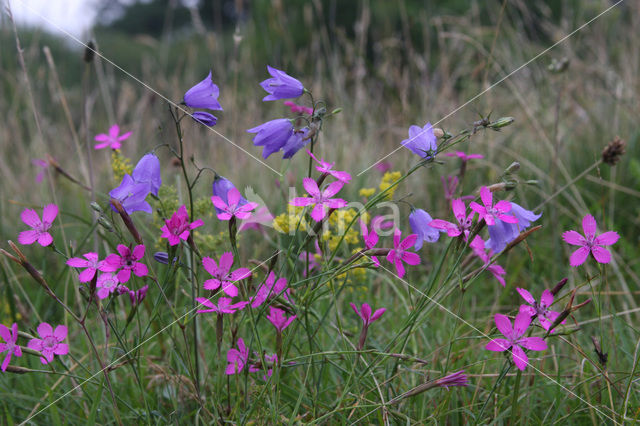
547	298
28	237
607	238
332	189
49	213
486	196
30	217
579	256
219	202
311	187
589	226
210	265
138	252
411	258
44	239
520	359
573	238
408	242
233	197
226	261
498	345
44	330
602	255
526	295
521	324
504	325
318	212
533	343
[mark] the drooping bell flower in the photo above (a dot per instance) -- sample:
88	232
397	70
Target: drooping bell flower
420	220
204	95
148	171
502	233
422	141
272	135
281	86
131	195
298	140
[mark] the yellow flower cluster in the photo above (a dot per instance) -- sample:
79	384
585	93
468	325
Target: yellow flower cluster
120	165
389	179
366	192
287	222
338	223
210	243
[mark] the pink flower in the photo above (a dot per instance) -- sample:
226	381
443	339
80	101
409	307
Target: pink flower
313	258
492	211
91	265
221	275
464	222
10	347
234	206
320	200
224	305
177	228
237	358
271	289
514	339
261	217
39	228
370	240
399	253
454	379
367	319
378	224
111	140
106	284
383	166
43	164
478	247
590	243
126	262
540	309
365	313
268	360
325	167
50	342
278	319
463	156
295	108
137	296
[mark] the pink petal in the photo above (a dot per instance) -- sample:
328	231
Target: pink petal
87	275
508	218
332	189
504	325
124	136
138	252
533	343
589	226
486	196
35	344
49	213
226	261
528	309
318	212
60	332
526	295
301	201
233	197
28	237
573	238
521	323
114	131
30	217
224	216
452	229
458	207
61	349
44	239
411	258
408	242
341	176
602	255
45	330
378	313
311	187
547	298
498	345
607	238
229	289
396	237
219	202
6	361
503	206
579	256
102	137
198	223
124	275
77	262
335	203
140	269
355	309
240	274
5	333
477	208
519	357
366	312
211	284
399	267
123	250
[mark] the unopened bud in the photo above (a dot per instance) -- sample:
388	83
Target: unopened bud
555	290
438	132
96	207
500	123
534	182
613	151
105	223
336	111
513	168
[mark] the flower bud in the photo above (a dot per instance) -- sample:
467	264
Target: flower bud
513	168
438	132
613	151
500	123
96	207
105	223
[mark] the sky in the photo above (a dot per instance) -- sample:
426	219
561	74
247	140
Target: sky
72	16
